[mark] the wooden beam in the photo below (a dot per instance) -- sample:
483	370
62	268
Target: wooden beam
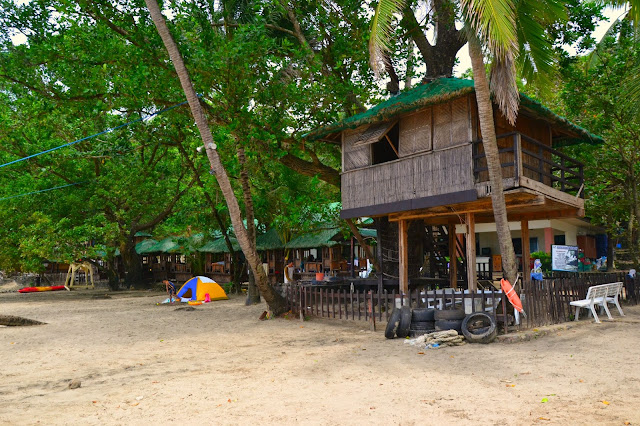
547	214
471	251
453	257
552	193
526	255
403	256
479	207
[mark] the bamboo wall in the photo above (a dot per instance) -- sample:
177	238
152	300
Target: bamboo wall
435	158
429	174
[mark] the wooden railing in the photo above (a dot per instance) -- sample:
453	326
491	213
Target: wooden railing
545	302
362	305
523	156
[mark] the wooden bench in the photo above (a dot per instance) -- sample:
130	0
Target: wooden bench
600	295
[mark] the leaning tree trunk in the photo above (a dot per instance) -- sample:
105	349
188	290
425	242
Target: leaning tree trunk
490	144
253	295
277	304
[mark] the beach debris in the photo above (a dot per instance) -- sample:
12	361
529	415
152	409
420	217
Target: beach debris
438	339
14	321
544	400
74	384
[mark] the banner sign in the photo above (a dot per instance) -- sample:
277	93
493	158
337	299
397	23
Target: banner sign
564	258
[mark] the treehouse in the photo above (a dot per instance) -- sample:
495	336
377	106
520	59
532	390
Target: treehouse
417	161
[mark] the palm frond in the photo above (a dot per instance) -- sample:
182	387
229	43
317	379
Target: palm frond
504	88
536	56
494	21
381	33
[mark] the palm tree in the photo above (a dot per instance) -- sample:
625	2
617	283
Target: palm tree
277	303
500	28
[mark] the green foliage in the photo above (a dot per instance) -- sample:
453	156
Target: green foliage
545	259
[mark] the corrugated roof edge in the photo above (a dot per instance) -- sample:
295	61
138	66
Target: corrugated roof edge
435	92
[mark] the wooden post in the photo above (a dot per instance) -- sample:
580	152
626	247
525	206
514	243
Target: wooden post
353	268
403	256
471	251
379	273
453	257
526	255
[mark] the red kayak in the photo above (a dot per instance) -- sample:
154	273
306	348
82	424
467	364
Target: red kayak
36	289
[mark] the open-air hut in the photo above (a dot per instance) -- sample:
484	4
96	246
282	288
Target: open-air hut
272	252
327	251
218	259
416	162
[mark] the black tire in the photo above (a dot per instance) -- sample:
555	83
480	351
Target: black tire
418	333
451	314
423	325
390	331
405	322
479	328
442	325
422	315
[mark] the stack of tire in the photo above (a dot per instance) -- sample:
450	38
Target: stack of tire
477	327
449	319
422	322
405	322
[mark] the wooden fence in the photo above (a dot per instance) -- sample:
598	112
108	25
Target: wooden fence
545	302
362	305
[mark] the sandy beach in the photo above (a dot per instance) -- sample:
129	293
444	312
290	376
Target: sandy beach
139	363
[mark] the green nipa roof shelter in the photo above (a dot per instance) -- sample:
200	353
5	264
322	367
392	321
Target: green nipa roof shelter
442	90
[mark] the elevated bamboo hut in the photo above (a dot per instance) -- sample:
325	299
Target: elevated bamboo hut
417	160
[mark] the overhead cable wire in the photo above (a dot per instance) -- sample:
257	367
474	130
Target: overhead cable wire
109	130
43	190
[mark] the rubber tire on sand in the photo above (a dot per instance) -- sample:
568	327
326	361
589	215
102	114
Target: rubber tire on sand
422	315
442	325
405	322
390	331
483	334
422	325
418	333
450	314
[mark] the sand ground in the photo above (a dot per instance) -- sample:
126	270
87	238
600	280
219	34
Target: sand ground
145	364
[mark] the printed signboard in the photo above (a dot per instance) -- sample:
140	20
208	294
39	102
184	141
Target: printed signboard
564	258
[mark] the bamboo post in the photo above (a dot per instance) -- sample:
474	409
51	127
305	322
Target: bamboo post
471	251
526	254
453	257
403	257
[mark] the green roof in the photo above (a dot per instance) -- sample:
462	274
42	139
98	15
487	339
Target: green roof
269	241
219	246
315	239
436	92
146	246
168	245
142	234
368	233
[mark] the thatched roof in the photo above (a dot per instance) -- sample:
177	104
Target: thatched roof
439	91
219	246
321	238
269	241
146	246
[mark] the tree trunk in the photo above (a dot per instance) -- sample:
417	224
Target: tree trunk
113	278
363	244
277	304
610	252
132	265
490	144
253	295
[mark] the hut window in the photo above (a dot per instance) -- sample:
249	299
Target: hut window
386	149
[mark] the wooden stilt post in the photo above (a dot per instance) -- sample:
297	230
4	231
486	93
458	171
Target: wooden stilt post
453	257
471	251
526	255
403	257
